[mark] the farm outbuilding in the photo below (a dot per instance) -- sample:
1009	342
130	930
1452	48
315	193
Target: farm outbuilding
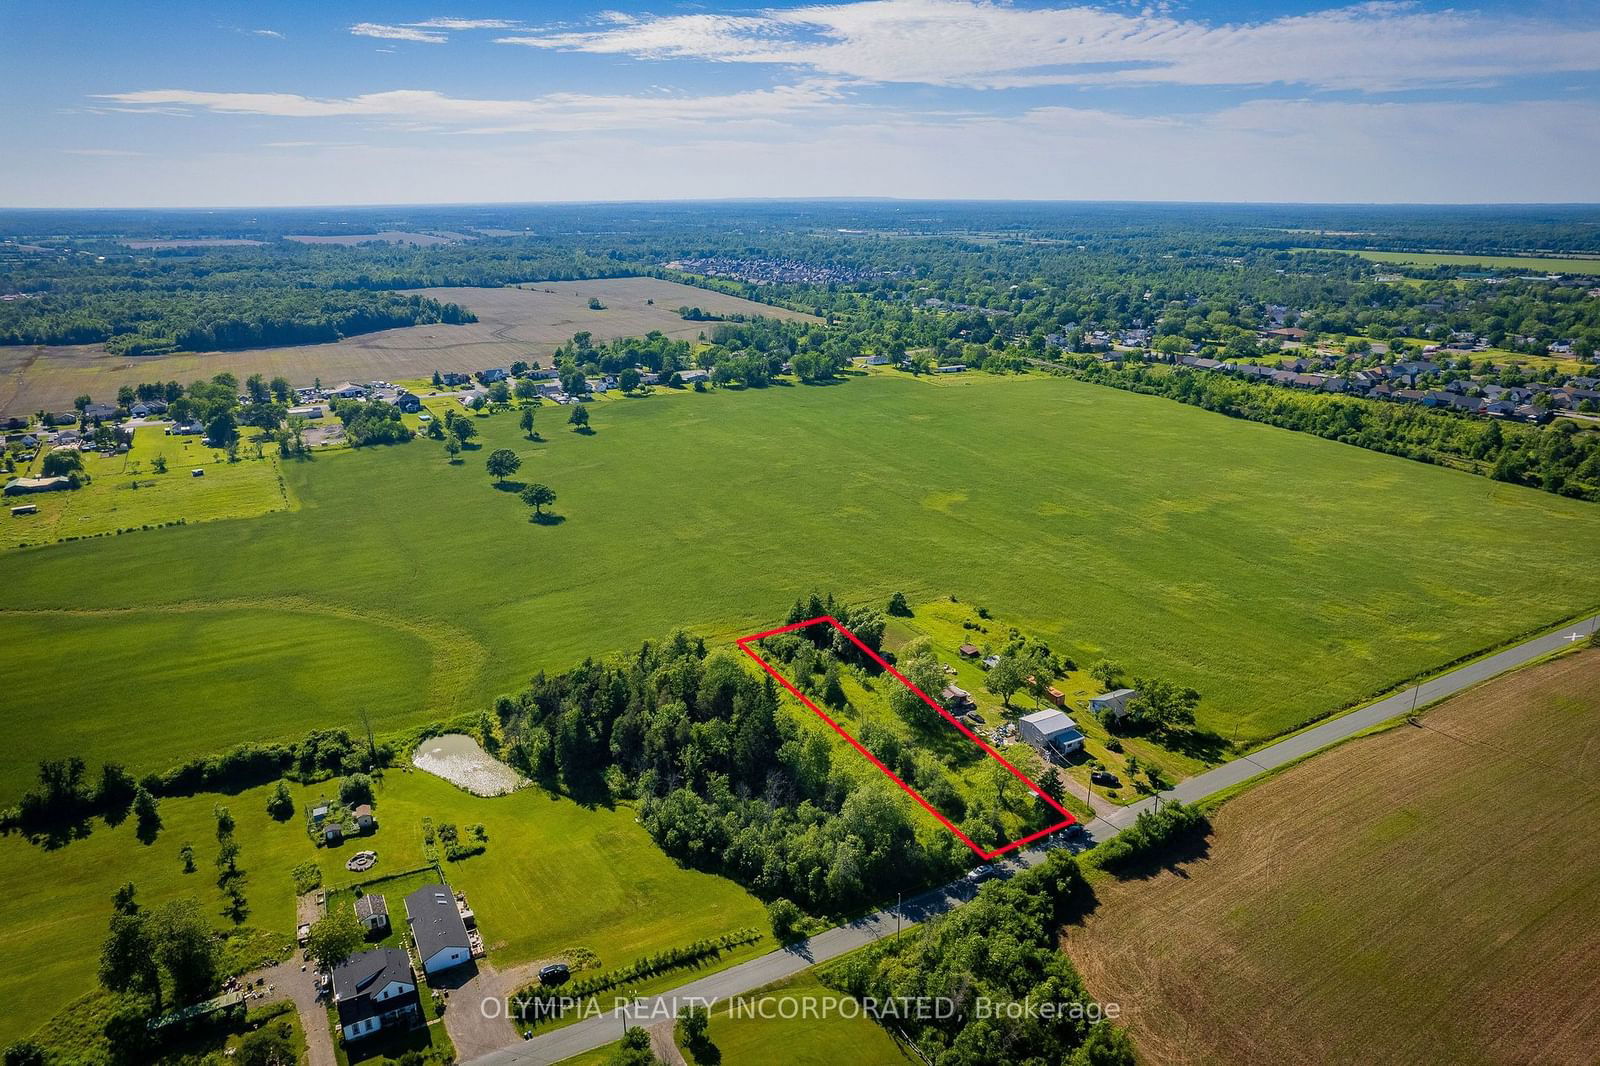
1116	702
1051	732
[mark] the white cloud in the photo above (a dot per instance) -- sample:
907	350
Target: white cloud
466	24
397	33
268	33
576	112
982	44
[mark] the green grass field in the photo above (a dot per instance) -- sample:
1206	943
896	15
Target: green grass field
799	1022
1281	575
555	876
1531	263
125	492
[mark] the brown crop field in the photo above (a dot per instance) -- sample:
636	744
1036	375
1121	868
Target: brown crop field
521	323
1425	895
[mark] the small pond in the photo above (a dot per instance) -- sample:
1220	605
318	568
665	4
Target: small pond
459	759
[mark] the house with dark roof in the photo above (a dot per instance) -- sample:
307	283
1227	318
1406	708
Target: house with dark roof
438	929
375	991
408	403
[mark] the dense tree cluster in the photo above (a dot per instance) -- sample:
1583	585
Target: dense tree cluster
371	423
725	782
1001	949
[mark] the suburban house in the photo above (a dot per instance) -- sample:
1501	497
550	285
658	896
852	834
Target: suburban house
1116	702
372	911
454	377
145	408
185	429
374	991
689	377
408	403
100	412
493	374
1050	732
438	928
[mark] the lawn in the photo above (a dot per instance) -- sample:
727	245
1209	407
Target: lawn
125	492
1437	884
1528	263
1281	575
555	876
800	1023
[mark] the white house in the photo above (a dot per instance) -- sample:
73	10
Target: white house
438	928
1115	702
1050	732
374	991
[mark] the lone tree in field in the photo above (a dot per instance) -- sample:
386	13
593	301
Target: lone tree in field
527	422
452	448
502	463
538	497
579	417
1005	678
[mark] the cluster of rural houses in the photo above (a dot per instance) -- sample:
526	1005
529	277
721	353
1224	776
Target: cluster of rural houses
376	991
1416	382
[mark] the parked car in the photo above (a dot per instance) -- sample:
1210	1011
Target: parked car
982	873
554	974
1106	778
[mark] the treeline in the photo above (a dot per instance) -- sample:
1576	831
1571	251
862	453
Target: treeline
153	321
724	781
991	979
1557	458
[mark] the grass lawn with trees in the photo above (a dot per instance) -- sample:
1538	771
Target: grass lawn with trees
756	1028
130	490
1281	575
555	876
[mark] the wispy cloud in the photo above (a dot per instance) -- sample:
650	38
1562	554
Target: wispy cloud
989	45
268	33
563	112
466	24
397	33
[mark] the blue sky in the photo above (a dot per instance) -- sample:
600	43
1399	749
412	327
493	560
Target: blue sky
180	104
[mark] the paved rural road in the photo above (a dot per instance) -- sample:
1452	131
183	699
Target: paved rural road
595	1031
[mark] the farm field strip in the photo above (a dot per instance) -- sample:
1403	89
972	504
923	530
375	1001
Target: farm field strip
1431	881
527	322
1539	264
1180	543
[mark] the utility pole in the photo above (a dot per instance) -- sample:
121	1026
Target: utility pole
899	913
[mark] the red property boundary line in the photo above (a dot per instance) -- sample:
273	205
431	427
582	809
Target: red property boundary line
1067	818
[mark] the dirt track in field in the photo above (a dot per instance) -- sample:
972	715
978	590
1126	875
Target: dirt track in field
1428	895
527	323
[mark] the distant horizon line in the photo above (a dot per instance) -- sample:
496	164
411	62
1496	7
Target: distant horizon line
731	200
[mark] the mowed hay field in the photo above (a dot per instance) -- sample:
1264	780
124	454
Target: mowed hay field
556	876
1281	575
1426	895
513	323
